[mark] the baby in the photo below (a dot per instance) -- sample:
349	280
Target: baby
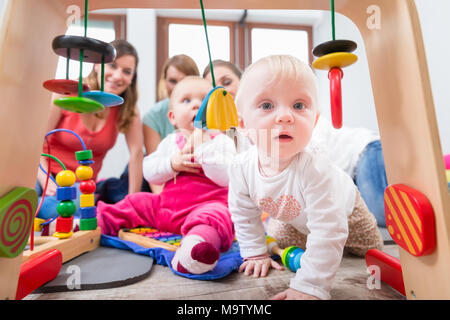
193	166
282	175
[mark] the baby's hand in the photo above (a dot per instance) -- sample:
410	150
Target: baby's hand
259	266
184	162
292	294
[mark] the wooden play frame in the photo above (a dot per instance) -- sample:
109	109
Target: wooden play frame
400	84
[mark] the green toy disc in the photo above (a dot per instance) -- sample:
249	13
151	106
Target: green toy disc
17	210
83	155
78	104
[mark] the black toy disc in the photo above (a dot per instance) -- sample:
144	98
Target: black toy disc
334	46
94	49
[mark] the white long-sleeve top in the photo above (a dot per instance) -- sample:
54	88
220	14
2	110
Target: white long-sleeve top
313	195
214	155
343	146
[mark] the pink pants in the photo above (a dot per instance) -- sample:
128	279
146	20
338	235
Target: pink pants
193	205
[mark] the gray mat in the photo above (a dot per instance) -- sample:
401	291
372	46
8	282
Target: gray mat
101	268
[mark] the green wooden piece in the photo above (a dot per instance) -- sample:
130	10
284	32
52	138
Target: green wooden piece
83	155
88	224
66	208
17	210
79	104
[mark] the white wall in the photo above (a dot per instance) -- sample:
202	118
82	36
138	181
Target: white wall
358	102
141	33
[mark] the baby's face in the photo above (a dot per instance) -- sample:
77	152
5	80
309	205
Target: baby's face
280	112
185	102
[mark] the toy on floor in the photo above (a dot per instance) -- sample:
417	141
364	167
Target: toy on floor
334	55
151	238
83	49
290	256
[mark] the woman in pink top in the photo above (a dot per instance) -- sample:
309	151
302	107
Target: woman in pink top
99	131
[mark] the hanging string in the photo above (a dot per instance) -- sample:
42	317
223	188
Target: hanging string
80	80
207	43
333	27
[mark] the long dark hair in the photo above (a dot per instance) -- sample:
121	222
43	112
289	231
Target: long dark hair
130	95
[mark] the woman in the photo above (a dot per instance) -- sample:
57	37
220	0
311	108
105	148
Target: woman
226	74
98	130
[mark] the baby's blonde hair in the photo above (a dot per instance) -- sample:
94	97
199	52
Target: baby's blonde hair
285	66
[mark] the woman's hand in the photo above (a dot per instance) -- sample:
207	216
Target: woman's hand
292	294
259	266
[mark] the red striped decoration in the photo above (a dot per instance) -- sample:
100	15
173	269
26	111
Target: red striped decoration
410	219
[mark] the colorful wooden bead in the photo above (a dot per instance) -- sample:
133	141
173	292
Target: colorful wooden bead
88	212
38	224
94	51
66	208
83	155
334	46
64	225
447	175
63	235
87	200
66	193
88	224
79	104
84	173
105	98
336	59
410	219
65	178
87	186
64	86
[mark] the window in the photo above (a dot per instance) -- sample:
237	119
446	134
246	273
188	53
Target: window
268	41
240	43
102	27
190	39
187	36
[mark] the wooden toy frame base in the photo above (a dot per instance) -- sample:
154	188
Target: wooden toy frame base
400	84
80	242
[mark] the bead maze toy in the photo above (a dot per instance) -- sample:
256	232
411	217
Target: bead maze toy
400	84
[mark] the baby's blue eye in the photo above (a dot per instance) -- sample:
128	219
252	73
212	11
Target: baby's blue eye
186	100
266	106
299	106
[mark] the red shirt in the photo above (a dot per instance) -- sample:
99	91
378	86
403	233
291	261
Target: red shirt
63	145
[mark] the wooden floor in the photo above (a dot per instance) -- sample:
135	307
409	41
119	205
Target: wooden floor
162	284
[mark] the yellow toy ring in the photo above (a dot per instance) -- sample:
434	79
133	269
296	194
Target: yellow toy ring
335	59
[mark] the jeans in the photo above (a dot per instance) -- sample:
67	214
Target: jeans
371	180
48	209
112	190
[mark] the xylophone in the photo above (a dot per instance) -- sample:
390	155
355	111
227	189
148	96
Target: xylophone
151	238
